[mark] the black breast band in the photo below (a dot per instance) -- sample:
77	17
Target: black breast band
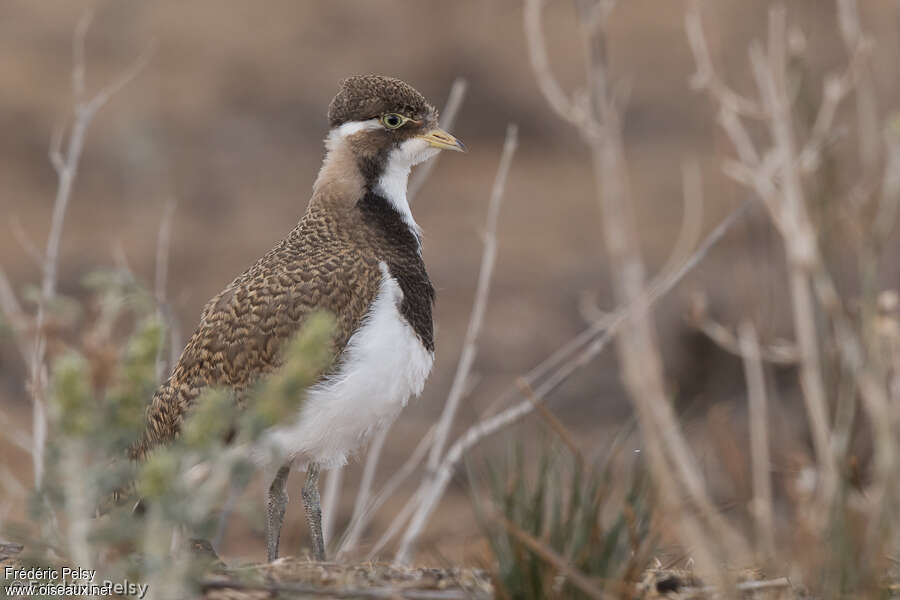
398	246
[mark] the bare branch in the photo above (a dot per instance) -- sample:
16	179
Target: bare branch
639	355
66	165
354	530
800	242
691	218
434	490
858	44
834	90
780	353
759	446
413	504
705	76
163	240
785	201
79	67
886	215
540	64
479	305
55	150
358	524
110	90
331	497
163	310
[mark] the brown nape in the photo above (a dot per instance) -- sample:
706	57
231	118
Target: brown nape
365	97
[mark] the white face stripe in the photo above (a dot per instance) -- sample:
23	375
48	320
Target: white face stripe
351	127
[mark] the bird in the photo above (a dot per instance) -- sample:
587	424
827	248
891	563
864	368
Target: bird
355	253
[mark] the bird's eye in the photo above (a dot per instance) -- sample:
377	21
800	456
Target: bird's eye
393	120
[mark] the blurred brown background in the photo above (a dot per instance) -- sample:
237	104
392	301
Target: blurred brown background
227	121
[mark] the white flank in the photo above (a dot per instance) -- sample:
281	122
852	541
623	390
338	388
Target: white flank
383	366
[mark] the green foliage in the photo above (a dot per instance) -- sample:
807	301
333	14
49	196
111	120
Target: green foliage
158	475
211	419
596	520
97	398
73	403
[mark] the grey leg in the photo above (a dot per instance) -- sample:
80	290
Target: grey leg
314	510
276	503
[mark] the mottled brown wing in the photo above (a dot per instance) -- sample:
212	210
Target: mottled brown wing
243	329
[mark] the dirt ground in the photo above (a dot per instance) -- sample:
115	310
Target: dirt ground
227	121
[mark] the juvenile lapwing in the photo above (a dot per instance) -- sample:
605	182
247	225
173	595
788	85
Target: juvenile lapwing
356	252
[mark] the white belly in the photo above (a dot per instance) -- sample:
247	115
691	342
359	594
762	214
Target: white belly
384	364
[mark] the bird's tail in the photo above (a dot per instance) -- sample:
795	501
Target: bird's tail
165	416
163	421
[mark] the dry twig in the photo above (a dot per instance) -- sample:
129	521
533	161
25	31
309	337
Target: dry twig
573	360
467	357
66	165
759	445
786	204
163	309
479	305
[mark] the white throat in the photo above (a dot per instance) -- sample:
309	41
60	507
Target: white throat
393	182
392	186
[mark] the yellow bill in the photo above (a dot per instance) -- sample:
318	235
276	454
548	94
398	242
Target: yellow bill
441	139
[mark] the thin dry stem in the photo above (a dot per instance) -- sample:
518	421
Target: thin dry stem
759	444
567	363
479	304
413	504
556	97
331	497
867	119
161	277
781	353
358	524
787	207
467	358
66	166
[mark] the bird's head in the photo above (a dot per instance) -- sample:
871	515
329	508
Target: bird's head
387	124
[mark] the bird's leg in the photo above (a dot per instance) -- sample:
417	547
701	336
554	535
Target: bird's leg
276	503
314	510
